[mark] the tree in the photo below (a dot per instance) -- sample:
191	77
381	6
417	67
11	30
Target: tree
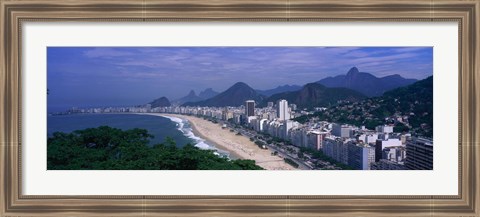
106	148
400	127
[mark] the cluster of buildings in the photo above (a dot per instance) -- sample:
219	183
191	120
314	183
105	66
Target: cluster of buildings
357	147
132	109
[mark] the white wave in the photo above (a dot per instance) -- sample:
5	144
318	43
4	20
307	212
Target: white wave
187	131
203	145
184	126
178	121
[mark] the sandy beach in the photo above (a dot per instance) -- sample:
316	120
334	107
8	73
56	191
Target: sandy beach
239	146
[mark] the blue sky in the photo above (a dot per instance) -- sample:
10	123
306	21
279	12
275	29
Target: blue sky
113	76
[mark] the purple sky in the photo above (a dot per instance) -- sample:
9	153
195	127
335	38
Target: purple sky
110	76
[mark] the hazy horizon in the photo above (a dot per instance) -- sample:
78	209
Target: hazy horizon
116	76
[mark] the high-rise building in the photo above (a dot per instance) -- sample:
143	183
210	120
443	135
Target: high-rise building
419	154
384	129
293	107
285	127
360	156
336	148
270	104
387	165
316	138
340	130
249	108
381	144
368	138
282	110
394	154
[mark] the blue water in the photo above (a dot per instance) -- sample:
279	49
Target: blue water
159	127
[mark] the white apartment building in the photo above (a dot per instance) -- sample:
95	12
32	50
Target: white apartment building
384	129
382	144
283	110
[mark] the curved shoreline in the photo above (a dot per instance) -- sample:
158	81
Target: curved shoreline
196	135
240	146
199	133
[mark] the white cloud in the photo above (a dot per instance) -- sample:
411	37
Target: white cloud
106	53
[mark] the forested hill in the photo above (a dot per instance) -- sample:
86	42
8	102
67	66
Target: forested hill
106	148
408	108
316	95
236	95
367	83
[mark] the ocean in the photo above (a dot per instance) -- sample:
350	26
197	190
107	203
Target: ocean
160	127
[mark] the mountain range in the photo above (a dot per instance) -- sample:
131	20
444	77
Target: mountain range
207	93
279	89
193	97
310	95
351	87
236	95
413	103
366	83
160	102
316	95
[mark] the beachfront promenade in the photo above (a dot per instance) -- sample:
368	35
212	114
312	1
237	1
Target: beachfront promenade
238	145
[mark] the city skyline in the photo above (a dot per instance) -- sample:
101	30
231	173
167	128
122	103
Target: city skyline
112	76
351	147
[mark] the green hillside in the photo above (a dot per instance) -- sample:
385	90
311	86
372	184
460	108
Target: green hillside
316	95
106	148
408	108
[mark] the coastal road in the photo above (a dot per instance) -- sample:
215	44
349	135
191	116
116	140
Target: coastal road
301	164
281	152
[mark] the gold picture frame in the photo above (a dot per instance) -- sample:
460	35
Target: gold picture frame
13	13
